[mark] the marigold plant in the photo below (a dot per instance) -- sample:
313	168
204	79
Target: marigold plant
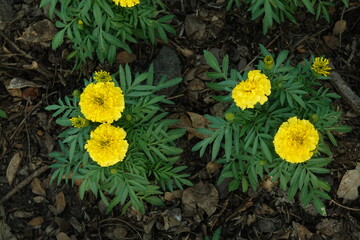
283	136
100	28
118	141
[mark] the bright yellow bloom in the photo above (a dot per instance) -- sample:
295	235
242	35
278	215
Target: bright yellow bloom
102	102
126	3
79	122
296	140
268	62
253	90
102	76
107	145
321	66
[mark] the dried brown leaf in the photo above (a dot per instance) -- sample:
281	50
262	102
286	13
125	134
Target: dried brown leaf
13	167
36	222
39	32
125	57
60	202
62	236
302	232
202	195
196	85
332	42
348	188
339	27
37	188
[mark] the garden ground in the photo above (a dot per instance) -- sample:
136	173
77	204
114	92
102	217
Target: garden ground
34	76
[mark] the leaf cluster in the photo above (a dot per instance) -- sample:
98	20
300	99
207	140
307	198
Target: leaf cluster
244	144
150	163
101	27
280	10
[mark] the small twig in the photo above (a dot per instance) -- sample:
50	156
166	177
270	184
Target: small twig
27	134
341	86
104	224
23	121
25	182
14	45
307	37
348	208
256	57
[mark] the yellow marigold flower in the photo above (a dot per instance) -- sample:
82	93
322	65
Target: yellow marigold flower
102	102
102	76
321	66
296	140
253	90
79	122
107	145
126	3
268	62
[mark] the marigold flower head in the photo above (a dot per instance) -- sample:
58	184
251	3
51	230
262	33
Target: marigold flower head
102	76
126	3
79	122
253	90
107	145
321	66
268	62
296	140
102	102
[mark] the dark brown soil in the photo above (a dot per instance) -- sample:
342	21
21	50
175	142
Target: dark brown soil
30	133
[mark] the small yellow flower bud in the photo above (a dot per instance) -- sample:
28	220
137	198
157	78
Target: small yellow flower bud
80	24
229	116
113	171
79	122
314	117
128	117
76	94
262	162
268	62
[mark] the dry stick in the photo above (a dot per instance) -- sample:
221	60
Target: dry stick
348	208
254	59
25	182
25	117
341	86
15	46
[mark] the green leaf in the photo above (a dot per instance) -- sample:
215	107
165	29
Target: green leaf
265	149
97	14
154	201
309	6
3	114
212	61
281	58
319	206
216	145
58	39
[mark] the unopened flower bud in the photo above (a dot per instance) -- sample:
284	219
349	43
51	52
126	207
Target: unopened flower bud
314	117
229	116
80	24
268	62
76	94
